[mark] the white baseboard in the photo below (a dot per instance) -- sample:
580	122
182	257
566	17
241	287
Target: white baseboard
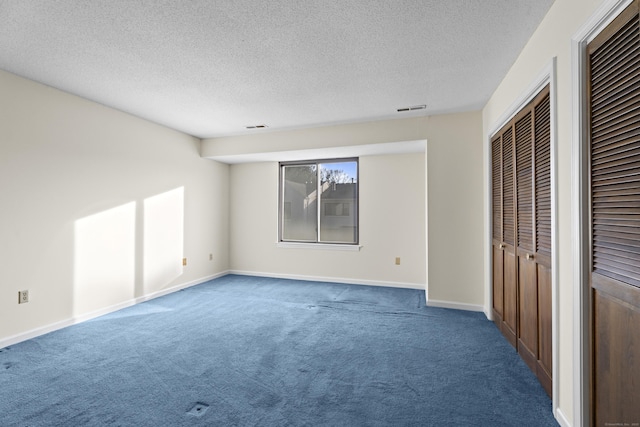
455	305
14	339
24	336
330	279
561	419
431	303
88	316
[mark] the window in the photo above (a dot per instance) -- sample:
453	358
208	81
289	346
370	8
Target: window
319	201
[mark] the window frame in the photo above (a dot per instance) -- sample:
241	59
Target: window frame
281	210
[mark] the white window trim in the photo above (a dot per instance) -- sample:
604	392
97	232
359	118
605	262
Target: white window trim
319	246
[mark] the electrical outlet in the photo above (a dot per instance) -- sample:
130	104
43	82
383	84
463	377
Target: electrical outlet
210	257
23	297
397	260
184	261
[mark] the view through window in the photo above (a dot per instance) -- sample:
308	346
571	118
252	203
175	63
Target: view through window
319	201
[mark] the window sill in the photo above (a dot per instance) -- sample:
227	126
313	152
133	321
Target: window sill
321	246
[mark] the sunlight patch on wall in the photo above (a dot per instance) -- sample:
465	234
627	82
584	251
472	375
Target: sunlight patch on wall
163	238
104	268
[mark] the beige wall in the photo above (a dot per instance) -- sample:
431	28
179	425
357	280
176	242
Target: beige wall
79	183
392	224
326	137
454	171
552	39
393	201
91	189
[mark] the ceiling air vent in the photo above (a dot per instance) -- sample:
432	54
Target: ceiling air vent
413	108
257	127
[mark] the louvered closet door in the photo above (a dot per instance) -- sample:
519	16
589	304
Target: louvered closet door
527	277
504	284
542	234
533	165
509	325
498	259
521	185
614	103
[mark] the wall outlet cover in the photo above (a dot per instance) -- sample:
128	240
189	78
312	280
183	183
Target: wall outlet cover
23	297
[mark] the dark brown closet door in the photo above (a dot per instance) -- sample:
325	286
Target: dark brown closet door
510	279
521	162
614	104
527	271
533	165
498	259
505	280
542	233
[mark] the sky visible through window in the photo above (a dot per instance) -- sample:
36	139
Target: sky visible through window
348	169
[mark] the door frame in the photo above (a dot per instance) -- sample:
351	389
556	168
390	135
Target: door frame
580	236
546	76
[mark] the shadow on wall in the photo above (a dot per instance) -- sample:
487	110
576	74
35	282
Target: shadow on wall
106	245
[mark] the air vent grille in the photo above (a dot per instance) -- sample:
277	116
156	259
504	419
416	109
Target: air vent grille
413	108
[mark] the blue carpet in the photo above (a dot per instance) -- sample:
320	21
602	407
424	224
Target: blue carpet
246	351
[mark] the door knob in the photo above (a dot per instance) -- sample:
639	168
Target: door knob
529	256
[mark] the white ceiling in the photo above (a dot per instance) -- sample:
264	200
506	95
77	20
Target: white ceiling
210	68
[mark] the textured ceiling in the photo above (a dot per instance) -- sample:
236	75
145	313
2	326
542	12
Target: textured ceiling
211	68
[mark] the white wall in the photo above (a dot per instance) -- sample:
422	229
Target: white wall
454	171
79	184
392	224
453	167
552	39
326	137
98	204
